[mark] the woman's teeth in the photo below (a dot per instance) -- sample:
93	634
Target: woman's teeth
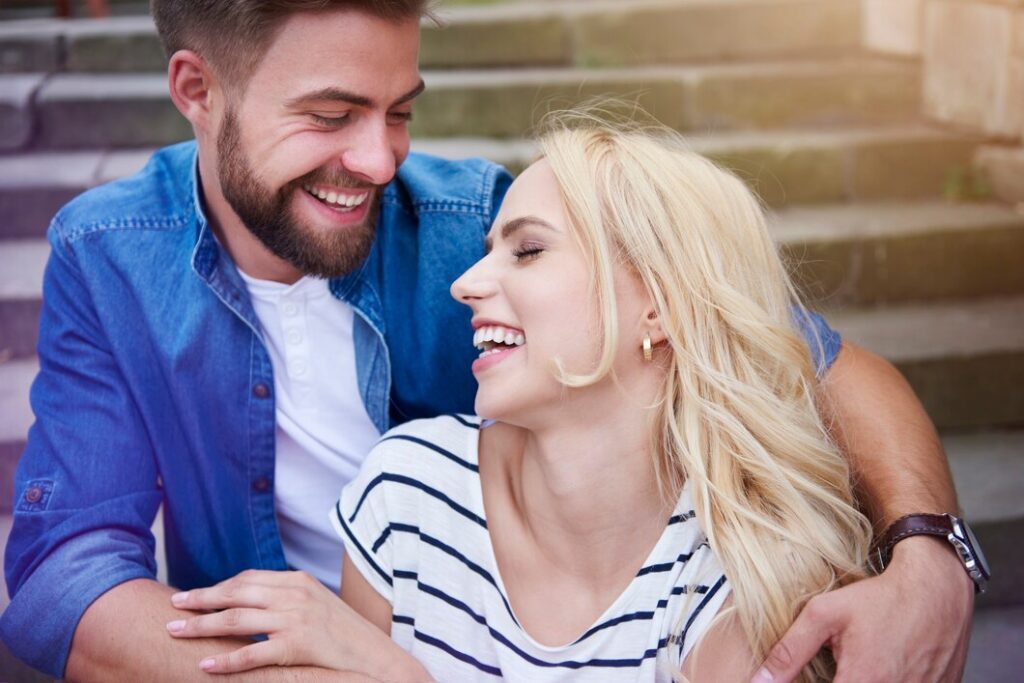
493	339
336	199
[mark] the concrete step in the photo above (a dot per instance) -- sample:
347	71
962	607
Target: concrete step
16	118
15	419
74	111
964	360
840	255
21	277
506	103
590	33
890	252
12	10
988	468
34	186
783	167
791	167
797	167
995	654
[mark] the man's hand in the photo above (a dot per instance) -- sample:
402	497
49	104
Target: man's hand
305	624
910	624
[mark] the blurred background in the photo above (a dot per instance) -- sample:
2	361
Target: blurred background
884	134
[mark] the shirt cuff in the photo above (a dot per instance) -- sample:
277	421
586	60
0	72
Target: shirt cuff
41	620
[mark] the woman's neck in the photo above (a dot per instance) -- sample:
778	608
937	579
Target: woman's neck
586	492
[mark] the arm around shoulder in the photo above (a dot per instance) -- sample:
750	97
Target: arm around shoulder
894	451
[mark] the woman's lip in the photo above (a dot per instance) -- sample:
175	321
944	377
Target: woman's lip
486	322
481	364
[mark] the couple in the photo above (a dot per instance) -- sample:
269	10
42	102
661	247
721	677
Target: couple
230	331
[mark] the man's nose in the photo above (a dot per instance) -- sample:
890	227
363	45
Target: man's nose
372	154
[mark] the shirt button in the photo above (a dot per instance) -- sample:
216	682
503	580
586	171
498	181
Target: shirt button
294	337
33	495
261	484
299	368
290	309
261	390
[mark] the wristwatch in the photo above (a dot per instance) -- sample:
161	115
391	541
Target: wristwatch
953	529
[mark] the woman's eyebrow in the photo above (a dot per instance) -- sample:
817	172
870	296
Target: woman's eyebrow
510	227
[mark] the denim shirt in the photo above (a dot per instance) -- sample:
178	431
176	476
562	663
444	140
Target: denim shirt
155	385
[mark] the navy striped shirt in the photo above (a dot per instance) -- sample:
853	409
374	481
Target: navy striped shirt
413	523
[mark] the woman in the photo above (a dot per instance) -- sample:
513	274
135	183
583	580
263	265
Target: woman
656	470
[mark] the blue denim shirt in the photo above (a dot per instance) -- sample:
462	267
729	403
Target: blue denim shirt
155	385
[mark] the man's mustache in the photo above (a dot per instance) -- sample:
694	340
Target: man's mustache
334	178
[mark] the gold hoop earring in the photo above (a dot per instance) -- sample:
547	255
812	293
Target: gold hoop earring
648	354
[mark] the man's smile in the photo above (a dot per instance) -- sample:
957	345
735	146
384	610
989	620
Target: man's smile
337	198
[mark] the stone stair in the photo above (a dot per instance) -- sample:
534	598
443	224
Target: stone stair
778	90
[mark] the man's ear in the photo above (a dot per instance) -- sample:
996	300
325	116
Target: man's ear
192	85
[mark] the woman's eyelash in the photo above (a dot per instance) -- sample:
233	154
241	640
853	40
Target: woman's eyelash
523	253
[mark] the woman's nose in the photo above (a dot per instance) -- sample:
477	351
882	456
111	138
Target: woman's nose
474	284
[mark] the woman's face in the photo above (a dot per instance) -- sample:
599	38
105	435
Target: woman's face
533	302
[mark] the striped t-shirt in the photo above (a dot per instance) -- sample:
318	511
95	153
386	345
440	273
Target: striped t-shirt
413	523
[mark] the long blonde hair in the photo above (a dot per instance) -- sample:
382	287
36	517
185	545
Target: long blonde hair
737	416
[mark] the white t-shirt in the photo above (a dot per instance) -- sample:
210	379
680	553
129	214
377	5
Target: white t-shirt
323	432
413	523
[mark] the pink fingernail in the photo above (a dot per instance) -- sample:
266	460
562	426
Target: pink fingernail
179	598
207	664
764	676
176	626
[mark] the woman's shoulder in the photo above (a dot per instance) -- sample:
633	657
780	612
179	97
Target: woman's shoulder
431	442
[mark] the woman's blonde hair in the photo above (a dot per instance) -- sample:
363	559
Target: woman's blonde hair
737	416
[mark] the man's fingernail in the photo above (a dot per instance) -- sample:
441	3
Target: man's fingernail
175	626
179	598
207	664
763	676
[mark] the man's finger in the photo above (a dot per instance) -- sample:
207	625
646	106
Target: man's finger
230	622
798	646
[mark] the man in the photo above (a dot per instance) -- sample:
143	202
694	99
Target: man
228	331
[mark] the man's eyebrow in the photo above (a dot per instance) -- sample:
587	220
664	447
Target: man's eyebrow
332	94
510	227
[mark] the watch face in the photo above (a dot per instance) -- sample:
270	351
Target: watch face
975	548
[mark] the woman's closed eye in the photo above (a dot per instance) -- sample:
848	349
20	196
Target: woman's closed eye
527	252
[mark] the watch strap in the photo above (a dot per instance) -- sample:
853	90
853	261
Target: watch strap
911	525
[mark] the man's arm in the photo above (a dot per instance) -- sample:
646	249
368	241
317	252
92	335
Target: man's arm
897	458
80	556
918	612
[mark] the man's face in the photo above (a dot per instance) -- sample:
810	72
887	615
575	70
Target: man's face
304	154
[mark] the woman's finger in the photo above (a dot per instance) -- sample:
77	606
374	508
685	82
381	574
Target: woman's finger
265	653
252	588
230	622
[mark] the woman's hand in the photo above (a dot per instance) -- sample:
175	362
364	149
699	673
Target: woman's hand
305	624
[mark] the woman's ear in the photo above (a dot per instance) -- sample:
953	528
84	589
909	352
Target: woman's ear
192	84
652	325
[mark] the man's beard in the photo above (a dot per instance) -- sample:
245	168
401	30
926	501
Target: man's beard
320	253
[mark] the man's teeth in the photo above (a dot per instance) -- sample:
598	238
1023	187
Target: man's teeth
344	201
485	338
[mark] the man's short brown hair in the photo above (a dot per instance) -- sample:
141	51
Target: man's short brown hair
232	35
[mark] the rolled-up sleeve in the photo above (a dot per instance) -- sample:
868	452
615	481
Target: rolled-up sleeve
824	342
86	488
